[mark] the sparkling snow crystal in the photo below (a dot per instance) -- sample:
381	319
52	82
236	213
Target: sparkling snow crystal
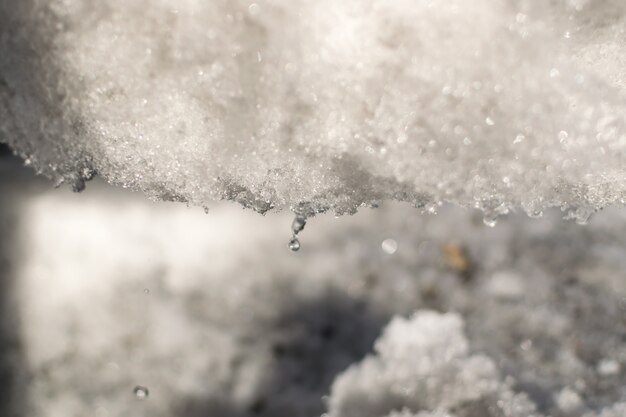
496	104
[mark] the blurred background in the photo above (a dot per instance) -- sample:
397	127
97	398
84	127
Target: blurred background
113	305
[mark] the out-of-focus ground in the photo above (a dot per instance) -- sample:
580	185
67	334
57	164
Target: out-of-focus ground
104	291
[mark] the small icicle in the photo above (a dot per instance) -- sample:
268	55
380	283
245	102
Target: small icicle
490	221
298	224
79	185
296	227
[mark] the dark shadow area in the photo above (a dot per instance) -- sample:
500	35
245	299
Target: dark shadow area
13	368
309	346
4	150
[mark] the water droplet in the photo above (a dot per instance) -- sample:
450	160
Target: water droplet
389	246
141	392
254	9
582	219
563	136
59	182
294	244
431	208
79	185
298	224
490	221
490	121
526	345
146	291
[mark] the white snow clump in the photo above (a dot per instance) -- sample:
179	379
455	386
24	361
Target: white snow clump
325	105
424	364
423	367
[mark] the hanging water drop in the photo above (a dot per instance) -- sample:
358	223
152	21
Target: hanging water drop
490	221
296	227
294	244
141	392
79	185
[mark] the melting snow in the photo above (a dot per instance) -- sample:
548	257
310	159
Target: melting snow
500	105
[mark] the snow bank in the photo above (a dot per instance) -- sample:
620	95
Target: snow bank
500	105
424	364
423	368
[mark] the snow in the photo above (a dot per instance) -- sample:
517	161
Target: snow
462	320
424	363
506	106
501	105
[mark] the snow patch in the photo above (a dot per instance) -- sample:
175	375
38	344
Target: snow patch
500	105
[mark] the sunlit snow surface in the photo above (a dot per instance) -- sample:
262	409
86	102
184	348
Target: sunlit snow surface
496	104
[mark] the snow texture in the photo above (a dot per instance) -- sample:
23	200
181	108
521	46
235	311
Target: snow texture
326	105
424	363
